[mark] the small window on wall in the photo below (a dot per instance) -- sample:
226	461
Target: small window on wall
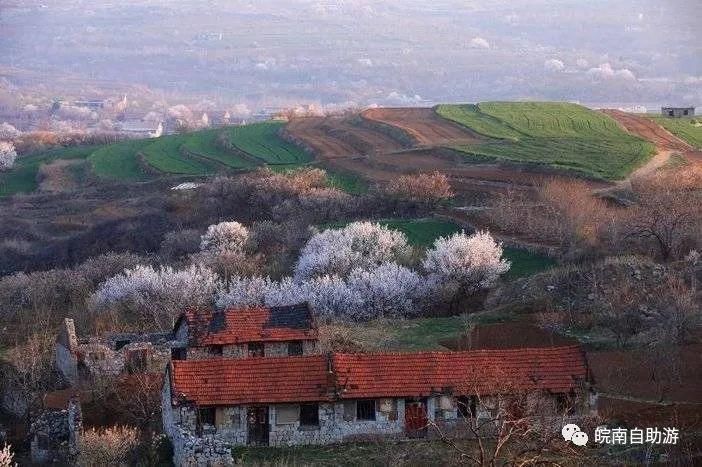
287	414
467	406
216	350
206	416
294	348
365	410
256	349
309	415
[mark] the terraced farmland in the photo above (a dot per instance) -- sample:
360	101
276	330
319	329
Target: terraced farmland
120	161
689	129
559	135
263	142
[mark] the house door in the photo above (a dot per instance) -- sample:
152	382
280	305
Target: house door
416	418
257	421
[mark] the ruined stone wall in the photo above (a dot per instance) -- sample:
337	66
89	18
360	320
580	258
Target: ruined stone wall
99	359
55	435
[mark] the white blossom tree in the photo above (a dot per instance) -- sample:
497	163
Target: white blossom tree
8	132
388	290
465	264
245	291
225	237
361	245
158	295
8	155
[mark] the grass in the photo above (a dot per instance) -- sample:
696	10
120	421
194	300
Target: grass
23	177
204	143
688	129
348	182
262	141
119	161
556	134
166	155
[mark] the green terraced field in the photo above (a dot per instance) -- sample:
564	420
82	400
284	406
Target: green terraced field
556	134
688	129
204	143
166	155
119	161
23	177
262	141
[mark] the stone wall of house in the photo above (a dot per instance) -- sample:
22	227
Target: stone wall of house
270	349
65	359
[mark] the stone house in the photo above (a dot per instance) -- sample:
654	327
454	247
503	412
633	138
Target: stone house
210	405
247	332
678	112
79	360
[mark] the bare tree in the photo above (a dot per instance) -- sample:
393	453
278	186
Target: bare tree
668	210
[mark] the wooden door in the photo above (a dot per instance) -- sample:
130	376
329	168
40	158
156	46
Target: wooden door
416	420
258	427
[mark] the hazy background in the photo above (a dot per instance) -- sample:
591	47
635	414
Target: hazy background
393	52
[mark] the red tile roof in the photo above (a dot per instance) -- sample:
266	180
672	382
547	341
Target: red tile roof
255	324
300	379
252	380
555	369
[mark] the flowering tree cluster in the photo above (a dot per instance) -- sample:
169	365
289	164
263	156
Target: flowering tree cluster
359	245
158	295
8	155
228	237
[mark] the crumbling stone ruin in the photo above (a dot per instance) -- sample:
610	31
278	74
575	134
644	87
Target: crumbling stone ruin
55	435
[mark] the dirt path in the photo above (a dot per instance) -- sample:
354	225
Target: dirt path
666	143
423	125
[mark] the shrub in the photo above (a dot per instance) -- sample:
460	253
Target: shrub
422	188
111	446
7	155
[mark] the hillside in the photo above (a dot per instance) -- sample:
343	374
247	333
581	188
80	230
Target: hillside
556	134
199	153
689	129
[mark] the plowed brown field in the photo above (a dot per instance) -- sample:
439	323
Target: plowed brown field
649	130
422	125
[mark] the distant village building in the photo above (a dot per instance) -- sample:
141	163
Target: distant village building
94	104
140	128
678	112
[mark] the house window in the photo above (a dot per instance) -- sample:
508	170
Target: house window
206	418
216	350
256	349
467	406
309	415
294	348
287	414
365	410
179	353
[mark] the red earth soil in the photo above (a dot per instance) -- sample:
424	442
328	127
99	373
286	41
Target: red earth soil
423	125
648	130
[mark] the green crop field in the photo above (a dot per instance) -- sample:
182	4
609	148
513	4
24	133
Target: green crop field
166	154
262	141
560	135
688	129
204	143
23	176
119	161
